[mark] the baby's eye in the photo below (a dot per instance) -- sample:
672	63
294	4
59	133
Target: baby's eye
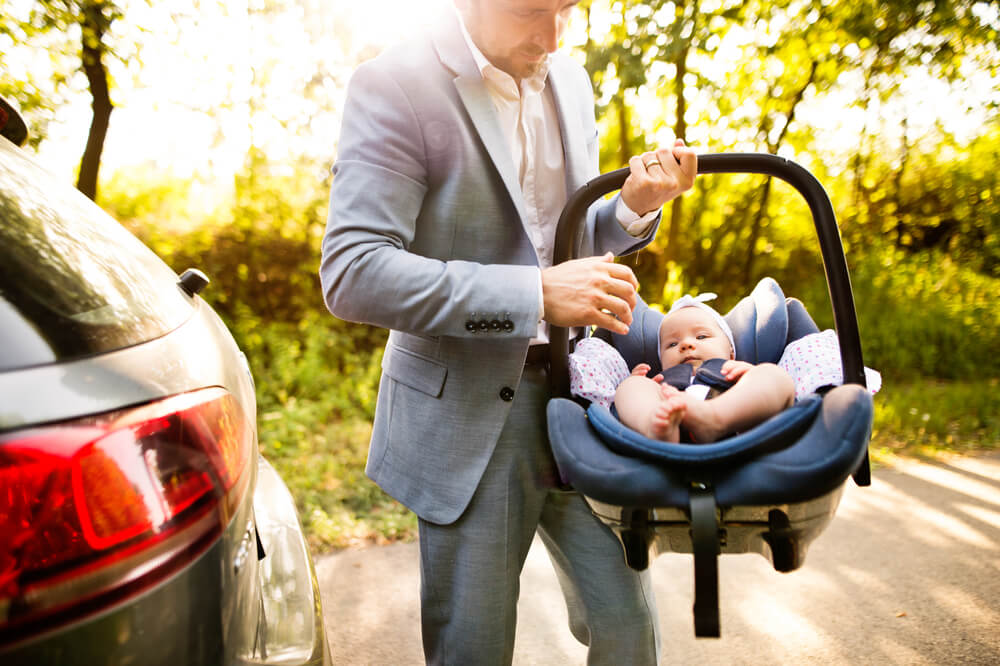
670	345
702	336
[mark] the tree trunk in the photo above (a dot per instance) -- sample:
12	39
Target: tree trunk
672	251
758	221
624	129
680	130
97	77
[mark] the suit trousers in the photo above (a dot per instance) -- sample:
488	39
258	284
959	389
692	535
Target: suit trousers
470	569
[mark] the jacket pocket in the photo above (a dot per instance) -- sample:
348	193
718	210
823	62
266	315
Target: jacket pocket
417	372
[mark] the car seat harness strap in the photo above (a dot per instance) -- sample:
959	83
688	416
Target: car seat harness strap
706	549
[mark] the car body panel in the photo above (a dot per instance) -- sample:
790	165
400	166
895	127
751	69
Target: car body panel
212	608
199	353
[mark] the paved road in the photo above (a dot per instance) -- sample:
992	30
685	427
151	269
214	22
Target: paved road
907	573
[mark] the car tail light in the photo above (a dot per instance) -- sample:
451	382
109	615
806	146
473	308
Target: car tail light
97	509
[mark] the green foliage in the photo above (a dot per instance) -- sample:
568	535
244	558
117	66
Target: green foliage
927	416
941	198
922	315
321	457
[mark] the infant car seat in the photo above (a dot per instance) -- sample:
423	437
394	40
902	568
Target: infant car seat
770	490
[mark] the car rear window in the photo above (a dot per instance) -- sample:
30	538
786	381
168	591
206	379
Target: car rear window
73	282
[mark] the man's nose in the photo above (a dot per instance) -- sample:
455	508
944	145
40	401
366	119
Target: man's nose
549	31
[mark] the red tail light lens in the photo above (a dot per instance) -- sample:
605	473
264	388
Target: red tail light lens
86	506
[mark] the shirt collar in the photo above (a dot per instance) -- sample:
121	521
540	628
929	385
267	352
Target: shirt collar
498	78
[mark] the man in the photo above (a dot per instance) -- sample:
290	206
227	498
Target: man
457	153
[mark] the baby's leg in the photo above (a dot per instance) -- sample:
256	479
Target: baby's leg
759	394
651	408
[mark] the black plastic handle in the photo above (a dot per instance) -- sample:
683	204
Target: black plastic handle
834	262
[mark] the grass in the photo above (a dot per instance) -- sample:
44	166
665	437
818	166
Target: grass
322	461
322	458
930	418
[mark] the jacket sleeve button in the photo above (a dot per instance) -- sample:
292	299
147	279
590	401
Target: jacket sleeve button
506	394
470	326
508	325
484	325
495	325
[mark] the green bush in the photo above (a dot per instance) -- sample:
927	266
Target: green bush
920	315
926	416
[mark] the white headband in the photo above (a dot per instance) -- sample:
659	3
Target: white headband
699	302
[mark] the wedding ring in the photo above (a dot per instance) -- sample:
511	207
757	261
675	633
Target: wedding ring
651	163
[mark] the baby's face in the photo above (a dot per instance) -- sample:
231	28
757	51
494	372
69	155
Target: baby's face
690	335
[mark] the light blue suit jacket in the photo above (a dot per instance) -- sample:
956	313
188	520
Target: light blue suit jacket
426	237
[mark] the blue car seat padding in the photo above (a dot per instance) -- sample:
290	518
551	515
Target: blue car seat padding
809	465
788	470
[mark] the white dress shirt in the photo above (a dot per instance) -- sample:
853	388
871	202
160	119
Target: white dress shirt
527	115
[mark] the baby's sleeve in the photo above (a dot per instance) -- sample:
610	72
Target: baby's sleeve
814	361
595	371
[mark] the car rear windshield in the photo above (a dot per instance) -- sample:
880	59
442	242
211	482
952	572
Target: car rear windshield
73	282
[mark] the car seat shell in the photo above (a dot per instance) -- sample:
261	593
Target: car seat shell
772	499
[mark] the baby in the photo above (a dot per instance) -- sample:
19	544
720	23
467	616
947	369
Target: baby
695	343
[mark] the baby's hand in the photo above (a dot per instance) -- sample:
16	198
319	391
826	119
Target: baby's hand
641	369
733	370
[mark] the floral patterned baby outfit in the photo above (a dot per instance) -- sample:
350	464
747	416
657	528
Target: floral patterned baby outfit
814	361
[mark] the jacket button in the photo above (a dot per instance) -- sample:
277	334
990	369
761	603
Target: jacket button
506	394
484	325
495	324
470	326
508	325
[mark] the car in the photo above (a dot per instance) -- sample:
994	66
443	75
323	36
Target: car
138	522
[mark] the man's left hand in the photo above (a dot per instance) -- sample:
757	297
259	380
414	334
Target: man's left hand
659	176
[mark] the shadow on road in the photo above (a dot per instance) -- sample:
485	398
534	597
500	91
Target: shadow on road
907	573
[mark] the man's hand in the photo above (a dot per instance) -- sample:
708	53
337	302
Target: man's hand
593	291
657	177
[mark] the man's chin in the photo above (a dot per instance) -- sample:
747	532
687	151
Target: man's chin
525	69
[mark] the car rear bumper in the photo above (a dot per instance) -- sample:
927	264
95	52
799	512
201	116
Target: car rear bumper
292	619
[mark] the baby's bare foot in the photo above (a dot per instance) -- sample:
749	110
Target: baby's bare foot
702	421
665	422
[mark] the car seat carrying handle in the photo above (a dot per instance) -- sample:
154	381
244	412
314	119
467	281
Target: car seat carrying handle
834	263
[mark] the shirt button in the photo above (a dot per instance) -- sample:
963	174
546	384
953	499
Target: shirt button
506	394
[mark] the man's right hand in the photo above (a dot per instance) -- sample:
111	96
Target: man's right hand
593	291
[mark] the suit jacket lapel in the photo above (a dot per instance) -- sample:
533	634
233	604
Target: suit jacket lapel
455	55
578	167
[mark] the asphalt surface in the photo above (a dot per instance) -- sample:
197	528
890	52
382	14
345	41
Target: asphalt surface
908	573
